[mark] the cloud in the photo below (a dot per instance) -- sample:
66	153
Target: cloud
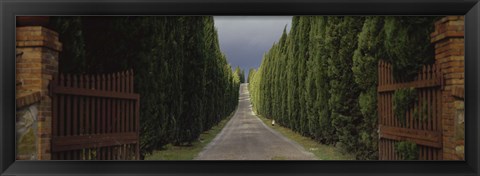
244	39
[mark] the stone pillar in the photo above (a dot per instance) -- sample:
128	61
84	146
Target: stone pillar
449	55
40	47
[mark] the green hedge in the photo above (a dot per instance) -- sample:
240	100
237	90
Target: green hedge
320	79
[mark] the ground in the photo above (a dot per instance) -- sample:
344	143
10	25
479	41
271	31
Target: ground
246	137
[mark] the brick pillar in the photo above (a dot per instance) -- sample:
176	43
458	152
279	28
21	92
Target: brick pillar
449	55
39	62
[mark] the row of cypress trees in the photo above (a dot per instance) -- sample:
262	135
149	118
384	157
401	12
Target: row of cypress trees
185	84
320	79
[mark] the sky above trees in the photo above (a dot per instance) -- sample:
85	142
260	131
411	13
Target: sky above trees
244	39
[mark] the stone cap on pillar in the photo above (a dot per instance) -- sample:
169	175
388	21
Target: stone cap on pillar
37	36
448	27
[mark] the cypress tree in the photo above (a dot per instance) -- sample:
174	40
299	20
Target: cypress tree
369	50
344	92
292	82
302	56
313	119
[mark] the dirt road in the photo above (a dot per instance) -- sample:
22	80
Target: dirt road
246	137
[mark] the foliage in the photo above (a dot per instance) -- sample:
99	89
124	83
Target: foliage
70	32
407	44
407	150
320	79
403	99
365	58
185	83
421	112
345	113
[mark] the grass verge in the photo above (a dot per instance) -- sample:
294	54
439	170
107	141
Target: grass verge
172	152
322	151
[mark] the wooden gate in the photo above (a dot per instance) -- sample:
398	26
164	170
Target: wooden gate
426	131
95	117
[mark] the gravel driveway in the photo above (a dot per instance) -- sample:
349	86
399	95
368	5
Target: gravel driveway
246	137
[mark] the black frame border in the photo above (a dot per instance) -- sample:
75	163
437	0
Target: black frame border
9	9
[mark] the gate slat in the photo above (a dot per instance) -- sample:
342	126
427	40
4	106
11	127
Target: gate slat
124	114
119	114
429	109
75	117
429	99
109	114
93	118
118	107
115	114
434	105
69	115
98	106
130	105
109	104
68	107
92	104
87	115
81	110
420	118
103	109
390	108
410	118
137	126
55	100
104	116
124	108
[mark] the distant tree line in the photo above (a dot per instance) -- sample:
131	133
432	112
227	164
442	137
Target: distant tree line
184	80
320	79
240	73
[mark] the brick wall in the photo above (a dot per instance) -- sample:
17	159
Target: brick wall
34	70
449	55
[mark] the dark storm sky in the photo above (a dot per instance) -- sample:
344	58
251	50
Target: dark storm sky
244	39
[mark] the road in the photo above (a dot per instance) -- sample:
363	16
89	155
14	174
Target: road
246	137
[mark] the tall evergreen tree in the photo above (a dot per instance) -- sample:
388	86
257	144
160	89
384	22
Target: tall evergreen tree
292	79
369	50
341	42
